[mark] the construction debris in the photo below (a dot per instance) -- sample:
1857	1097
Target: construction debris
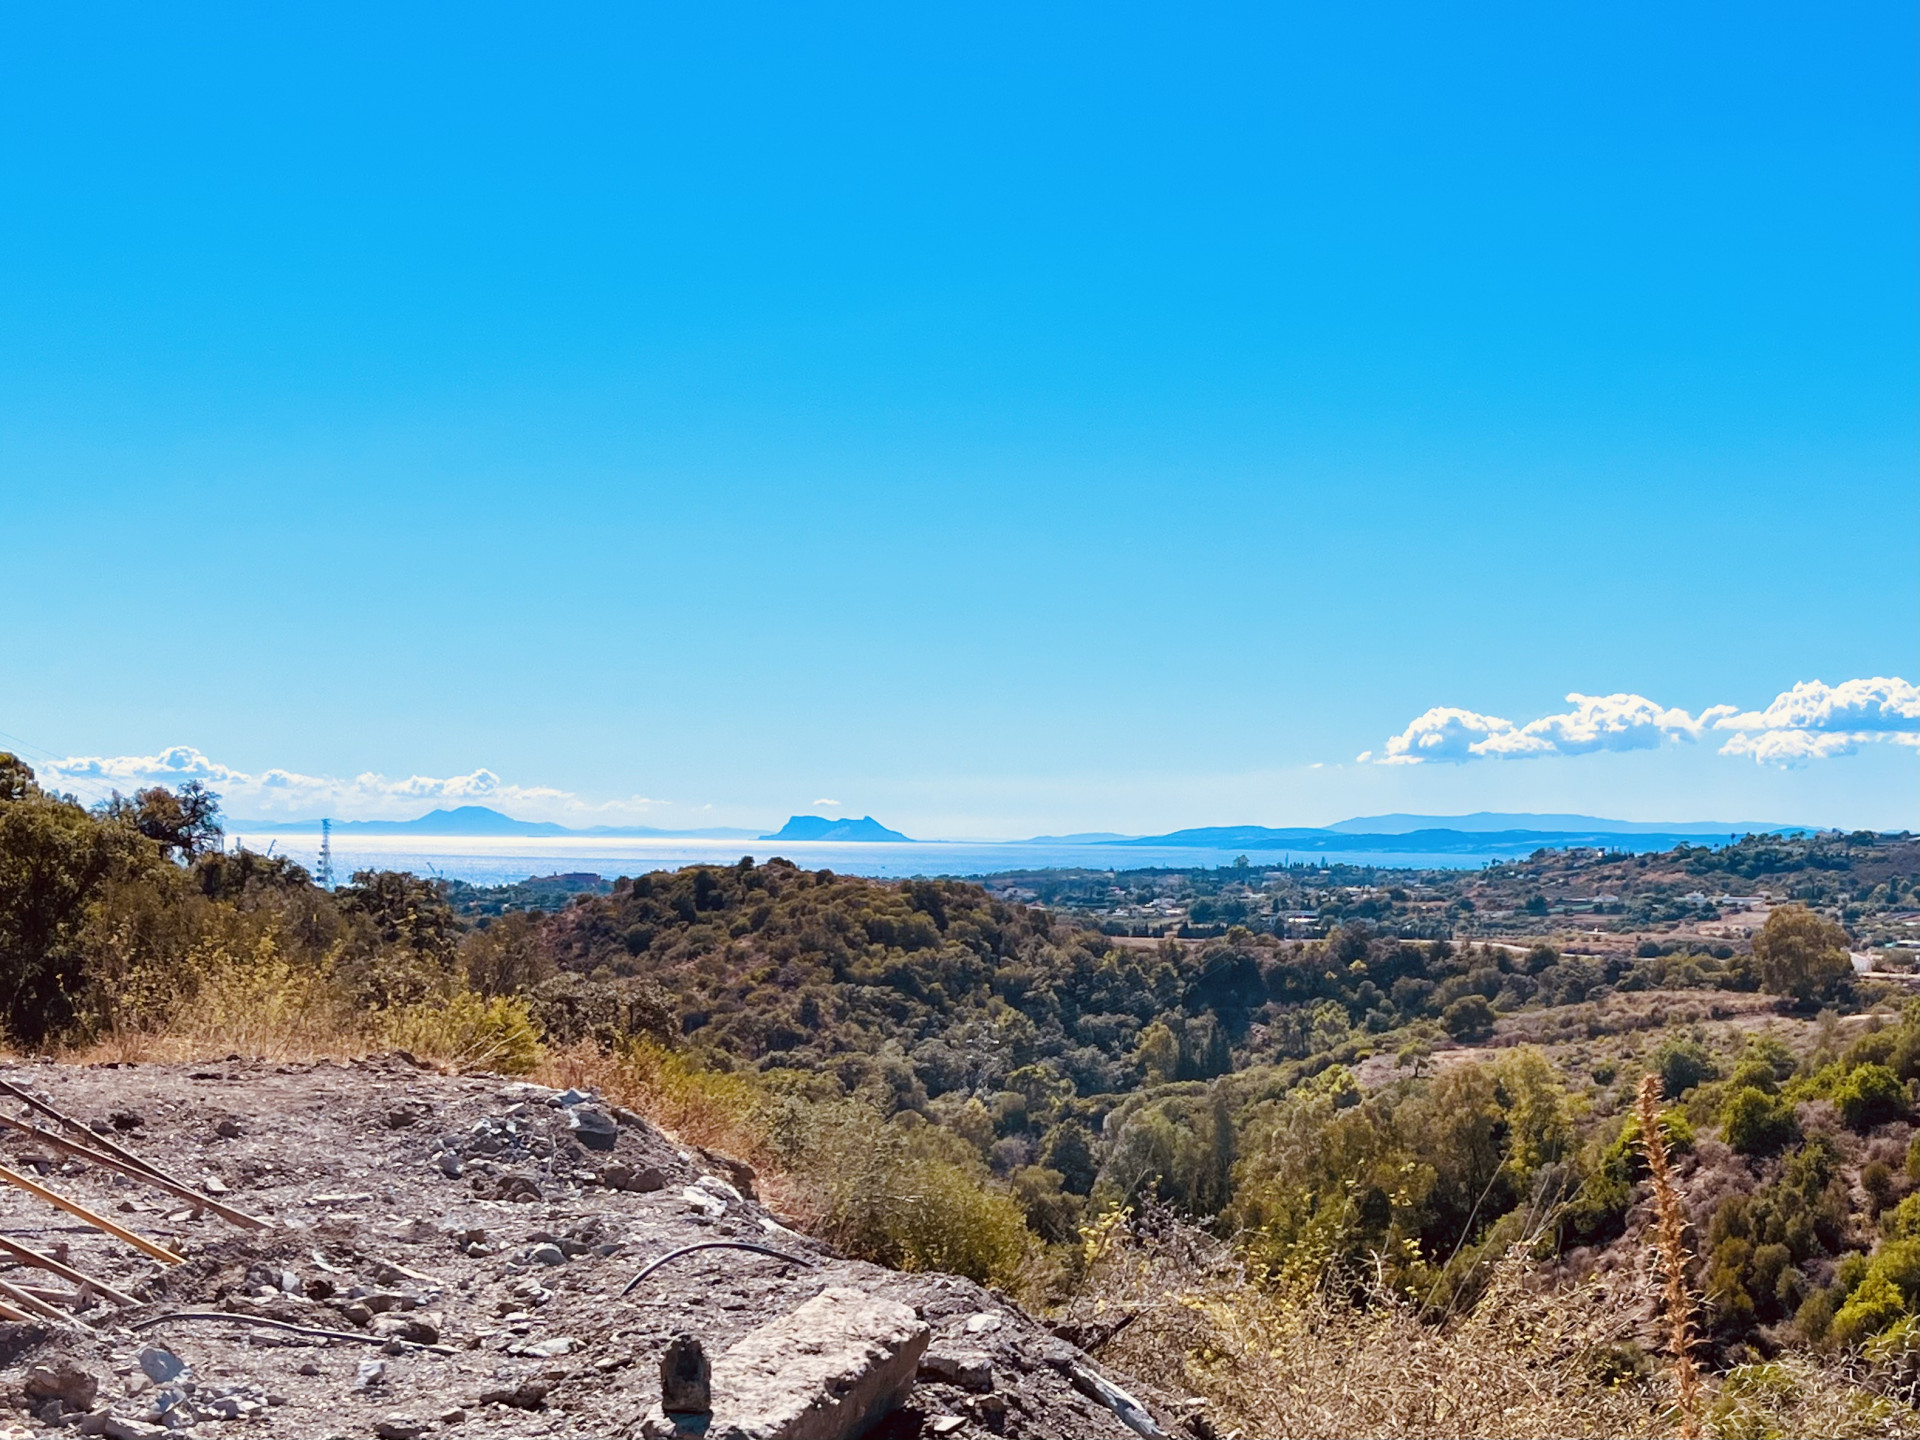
394	1293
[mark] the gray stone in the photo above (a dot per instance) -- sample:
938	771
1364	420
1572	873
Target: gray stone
64	1381
967	1369
400	1427
161	1365
686	1377
547	1255
370	1374
449	1164
593	1127
422	1328
641	1180
119	1427
828	1371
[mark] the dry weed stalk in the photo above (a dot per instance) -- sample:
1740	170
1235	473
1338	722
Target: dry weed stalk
1670	1240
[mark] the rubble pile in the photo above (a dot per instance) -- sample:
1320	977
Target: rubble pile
466	1257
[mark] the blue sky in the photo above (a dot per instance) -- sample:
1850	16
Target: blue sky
998	419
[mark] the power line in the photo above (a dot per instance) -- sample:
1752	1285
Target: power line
55	760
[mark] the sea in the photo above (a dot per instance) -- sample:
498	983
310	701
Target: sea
502	860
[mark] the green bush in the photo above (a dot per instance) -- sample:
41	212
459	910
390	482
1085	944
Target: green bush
1681	1065
1756	1123
1870	1095
1469	1018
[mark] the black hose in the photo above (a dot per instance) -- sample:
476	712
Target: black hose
285	1325
714	1245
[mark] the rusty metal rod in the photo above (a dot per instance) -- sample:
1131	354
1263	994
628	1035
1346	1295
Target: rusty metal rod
27	1255
146	1174
33	1102
99	1222
23	1301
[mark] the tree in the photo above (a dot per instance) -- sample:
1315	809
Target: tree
1756	1123
1158	1053
1870	1095
186	820
1683	1064
1800	953
55	860
1469	1018
16	777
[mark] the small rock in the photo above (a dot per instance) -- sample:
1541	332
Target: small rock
593	1127
400	1119
161	1365
981	1323
420	1329
641	1180
549	1348
547	1255
229	1129
531	1395
64	1381
686	1377
968	1369
455	1416
307	1367
566	1099
449	1164
370	1374
124	1120
119	1427
400	1427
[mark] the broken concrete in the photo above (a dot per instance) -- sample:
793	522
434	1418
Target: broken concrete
828	1371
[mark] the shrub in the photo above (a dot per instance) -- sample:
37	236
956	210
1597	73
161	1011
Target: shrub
1870	1095
1683	1064
469	1032
1756	1123
1469	1018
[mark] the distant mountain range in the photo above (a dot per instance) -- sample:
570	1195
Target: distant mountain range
1484	820
819	827
1485	832
477	820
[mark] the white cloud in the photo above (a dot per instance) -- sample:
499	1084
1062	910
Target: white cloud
826	805
1445	734
276	793
1812	721
1881	705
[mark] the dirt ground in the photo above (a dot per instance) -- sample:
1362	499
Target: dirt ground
470	1213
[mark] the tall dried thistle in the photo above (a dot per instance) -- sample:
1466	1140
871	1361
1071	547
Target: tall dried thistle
1669	1233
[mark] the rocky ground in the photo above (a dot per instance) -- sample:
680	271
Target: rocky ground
481	1235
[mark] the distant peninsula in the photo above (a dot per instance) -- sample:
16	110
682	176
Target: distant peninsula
819	827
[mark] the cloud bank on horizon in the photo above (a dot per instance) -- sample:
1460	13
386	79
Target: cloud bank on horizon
276	792
1812	721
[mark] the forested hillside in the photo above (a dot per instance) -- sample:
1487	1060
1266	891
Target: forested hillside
1356	1110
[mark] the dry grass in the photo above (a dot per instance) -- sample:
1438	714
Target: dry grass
1524	1362
276	1010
